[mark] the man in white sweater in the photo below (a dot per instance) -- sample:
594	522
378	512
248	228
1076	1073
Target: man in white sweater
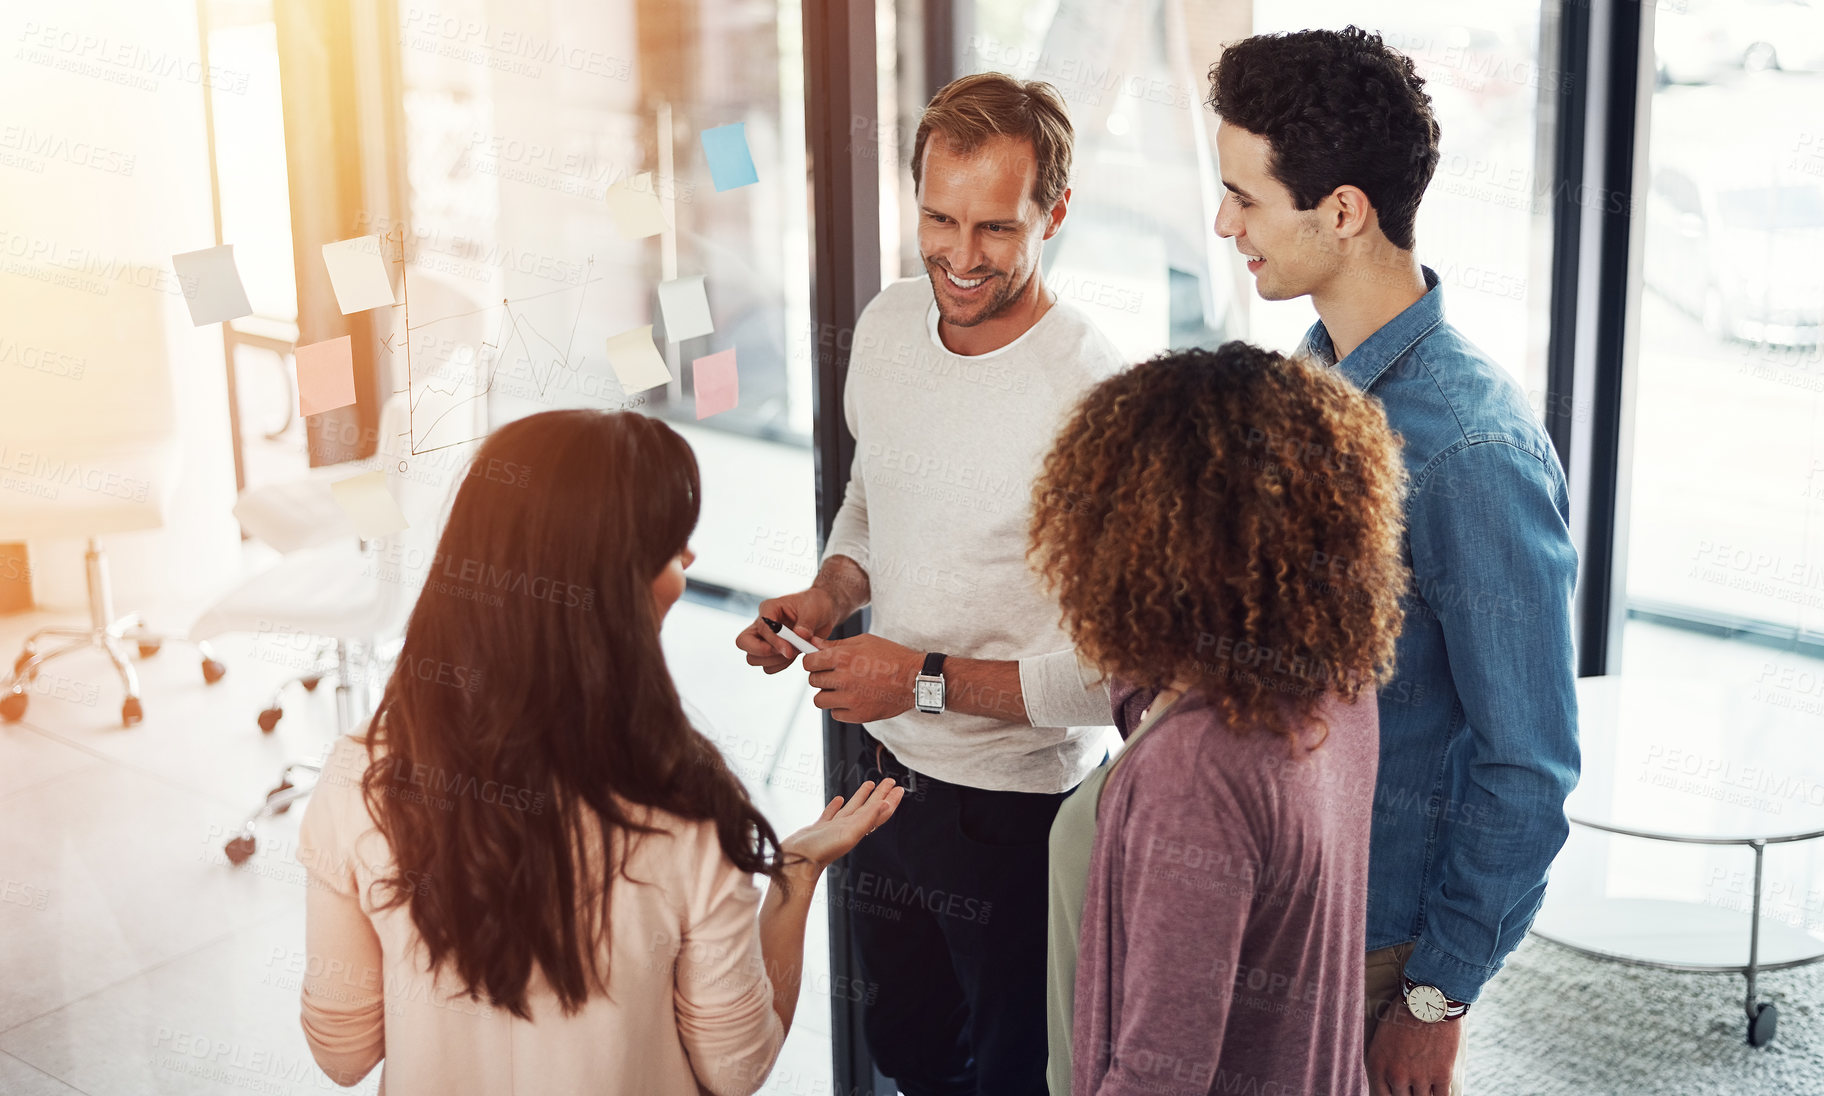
970	692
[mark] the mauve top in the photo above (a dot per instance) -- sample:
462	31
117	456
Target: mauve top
1223	929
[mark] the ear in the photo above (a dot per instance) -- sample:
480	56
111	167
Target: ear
1351	212
1055	219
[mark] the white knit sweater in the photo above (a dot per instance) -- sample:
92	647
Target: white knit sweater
947	448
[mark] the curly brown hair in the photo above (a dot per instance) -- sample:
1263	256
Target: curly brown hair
1230	520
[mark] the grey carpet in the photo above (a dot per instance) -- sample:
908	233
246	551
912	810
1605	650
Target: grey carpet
1556	1022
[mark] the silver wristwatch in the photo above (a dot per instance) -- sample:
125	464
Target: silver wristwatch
928	686
1428	1003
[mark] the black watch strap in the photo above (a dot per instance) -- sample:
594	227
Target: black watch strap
934	665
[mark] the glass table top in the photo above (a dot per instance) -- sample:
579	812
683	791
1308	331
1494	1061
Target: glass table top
1701	761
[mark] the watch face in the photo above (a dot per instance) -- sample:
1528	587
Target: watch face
930	695
1428	1003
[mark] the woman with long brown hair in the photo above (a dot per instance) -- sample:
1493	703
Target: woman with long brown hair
1223	532
534	875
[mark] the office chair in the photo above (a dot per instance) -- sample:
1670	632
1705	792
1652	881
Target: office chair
88	437
349	596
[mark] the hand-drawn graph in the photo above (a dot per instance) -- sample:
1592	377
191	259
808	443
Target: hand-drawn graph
523	347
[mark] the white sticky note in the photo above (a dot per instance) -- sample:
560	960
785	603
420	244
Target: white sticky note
358	274
211	284
634	205
369	505
686	308
636	361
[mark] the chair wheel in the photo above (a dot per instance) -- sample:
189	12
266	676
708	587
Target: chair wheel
131	712
1761	1028
12	706
270	719
239	849
310	683
284	786
213	671
147	650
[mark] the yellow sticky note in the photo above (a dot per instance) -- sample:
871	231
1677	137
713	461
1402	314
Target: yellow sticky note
326	375
369	505
358	274
634	205
636	360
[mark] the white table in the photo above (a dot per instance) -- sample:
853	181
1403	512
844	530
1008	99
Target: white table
1694	763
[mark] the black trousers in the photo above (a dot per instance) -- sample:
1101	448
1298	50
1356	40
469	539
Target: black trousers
947	904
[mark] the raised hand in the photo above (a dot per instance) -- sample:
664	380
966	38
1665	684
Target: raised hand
842	825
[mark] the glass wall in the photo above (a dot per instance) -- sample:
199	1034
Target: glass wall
520	123
527	124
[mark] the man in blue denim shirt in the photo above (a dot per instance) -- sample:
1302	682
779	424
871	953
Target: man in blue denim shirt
1327	142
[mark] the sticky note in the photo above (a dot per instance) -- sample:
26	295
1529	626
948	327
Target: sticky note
358	274
686	308
636	361
730	164
369	505
326	375
717	385
211	284
634	205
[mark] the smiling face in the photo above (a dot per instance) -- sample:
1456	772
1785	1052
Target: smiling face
979	230
1288	250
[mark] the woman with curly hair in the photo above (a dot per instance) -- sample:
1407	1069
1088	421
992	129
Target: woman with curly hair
1223	533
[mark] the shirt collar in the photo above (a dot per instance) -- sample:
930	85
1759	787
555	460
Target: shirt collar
1367	362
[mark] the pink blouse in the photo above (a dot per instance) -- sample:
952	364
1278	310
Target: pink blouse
688	1005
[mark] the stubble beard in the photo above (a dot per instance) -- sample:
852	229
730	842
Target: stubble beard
994	306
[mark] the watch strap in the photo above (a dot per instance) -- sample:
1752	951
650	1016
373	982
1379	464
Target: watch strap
934	665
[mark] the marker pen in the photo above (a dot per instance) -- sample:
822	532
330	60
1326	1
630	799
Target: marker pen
790	636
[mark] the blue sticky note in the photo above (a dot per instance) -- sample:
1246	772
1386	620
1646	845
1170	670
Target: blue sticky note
730	164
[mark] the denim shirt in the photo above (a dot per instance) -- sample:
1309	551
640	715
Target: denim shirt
1479	724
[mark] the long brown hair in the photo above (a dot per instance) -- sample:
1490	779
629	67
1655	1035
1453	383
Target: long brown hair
531	715
1230	519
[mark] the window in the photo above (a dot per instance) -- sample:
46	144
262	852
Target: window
1726	523
1720	524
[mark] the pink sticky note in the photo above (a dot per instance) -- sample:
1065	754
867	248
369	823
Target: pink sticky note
718	386
326	375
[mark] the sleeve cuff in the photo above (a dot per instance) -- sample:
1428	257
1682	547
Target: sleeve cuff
855	548
1430	966
1056	694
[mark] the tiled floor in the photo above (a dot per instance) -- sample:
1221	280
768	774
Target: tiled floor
134	959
